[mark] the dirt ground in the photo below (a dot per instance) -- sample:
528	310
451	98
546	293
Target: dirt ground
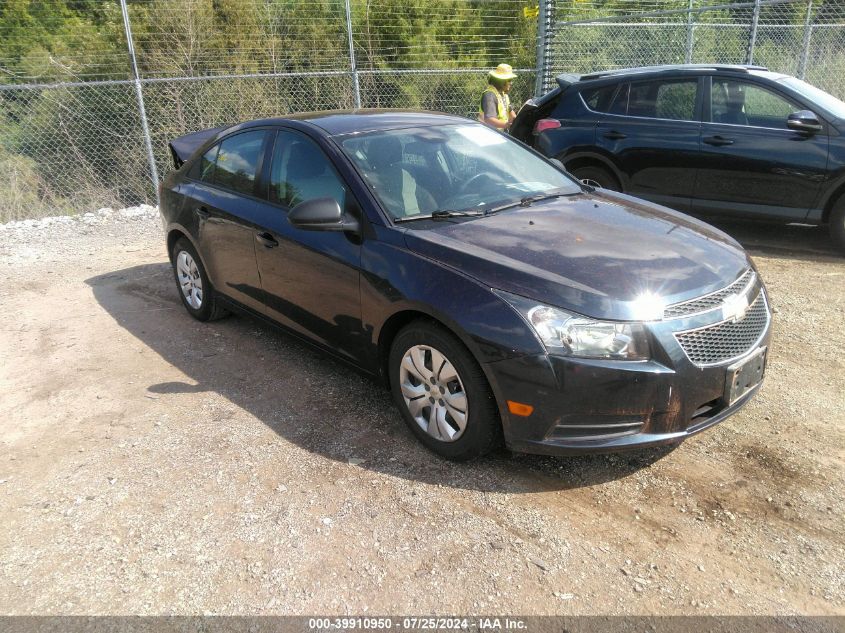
151	464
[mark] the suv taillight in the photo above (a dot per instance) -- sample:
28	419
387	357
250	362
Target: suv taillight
545	124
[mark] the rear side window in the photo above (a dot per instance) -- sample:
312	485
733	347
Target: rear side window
203	169
663	99
237	161
599	99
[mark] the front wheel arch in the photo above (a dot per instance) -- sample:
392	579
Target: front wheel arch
484	429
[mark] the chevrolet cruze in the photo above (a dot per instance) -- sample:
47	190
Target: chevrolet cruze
499	299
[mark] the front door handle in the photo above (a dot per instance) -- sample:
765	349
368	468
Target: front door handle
613	135
203	213
718	141
267	240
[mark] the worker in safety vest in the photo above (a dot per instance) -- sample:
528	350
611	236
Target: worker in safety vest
495	108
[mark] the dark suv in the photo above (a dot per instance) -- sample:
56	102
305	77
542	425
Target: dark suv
715	140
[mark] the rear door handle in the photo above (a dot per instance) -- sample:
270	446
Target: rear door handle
203	213
613	135
718	141
267	240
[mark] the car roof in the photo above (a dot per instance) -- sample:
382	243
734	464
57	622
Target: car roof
565	80
336	122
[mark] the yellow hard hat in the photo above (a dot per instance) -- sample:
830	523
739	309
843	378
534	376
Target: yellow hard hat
503	72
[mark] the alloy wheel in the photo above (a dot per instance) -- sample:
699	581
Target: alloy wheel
190	280
434	393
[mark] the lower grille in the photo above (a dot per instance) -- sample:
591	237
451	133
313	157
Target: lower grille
726	341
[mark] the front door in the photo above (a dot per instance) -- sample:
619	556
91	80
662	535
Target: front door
310	278
652	132
752	165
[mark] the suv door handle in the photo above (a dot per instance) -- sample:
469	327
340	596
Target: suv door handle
613	135
718	141
203	213
267	240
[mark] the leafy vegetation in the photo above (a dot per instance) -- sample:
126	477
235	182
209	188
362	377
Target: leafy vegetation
81	145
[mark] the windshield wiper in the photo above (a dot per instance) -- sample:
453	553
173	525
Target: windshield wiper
441	214
527	201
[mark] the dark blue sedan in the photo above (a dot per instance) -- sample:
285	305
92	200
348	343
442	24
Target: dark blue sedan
499	298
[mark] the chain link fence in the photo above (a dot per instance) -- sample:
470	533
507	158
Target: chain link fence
85	118
83	127
804	38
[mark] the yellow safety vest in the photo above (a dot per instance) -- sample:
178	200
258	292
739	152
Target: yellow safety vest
503	105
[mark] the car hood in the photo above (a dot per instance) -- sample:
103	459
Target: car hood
603	255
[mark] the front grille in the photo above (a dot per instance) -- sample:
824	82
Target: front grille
711	301
723	342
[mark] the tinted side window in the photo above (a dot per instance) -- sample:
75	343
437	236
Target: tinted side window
203	169
237	161
743	103
301	171
664	99
599	99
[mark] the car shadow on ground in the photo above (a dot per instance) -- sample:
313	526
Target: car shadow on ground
792	241
314	401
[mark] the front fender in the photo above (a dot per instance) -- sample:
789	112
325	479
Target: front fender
394	280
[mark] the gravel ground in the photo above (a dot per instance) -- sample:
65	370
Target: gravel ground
151	464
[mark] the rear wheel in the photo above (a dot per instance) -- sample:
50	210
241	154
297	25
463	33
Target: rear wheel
597	177
442	393
837	224
196	292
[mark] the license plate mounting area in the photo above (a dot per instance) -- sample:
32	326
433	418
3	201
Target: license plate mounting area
744	375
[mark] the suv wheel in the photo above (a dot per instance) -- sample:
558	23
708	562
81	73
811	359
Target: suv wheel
196	292
837	224
597	177
442	393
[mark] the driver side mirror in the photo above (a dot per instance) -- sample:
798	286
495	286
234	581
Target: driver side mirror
321	214
557	163
804	121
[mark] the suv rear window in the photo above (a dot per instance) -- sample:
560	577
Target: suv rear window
599	99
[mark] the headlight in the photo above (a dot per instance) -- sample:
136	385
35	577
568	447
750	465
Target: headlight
573	335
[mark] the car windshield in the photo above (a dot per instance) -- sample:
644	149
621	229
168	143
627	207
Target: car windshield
827	101
420	171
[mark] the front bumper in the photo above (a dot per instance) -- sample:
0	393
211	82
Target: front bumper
592	406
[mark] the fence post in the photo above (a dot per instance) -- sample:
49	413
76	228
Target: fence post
805	48
356	86
688	56
544	35
139	95
752	36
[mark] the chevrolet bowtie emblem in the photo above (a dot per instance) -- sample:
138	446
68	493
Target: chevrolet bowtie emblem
734	307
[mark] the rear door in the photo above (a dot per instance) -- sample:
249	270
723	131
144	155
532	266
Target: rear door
652	133
752	164
223	200
310	278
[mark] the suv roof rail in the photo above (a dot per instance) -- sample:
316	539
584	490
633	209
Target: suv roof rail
739	68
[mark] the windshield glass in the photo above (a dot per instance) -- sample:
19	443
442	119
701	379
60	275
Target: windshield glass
827	101
417	171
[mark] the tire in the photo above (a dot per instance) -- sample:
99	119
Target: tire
837	224
597	177
199	297
424	343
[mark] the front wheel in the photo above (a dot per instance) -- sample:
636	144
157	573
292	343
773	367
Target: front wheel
442	393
